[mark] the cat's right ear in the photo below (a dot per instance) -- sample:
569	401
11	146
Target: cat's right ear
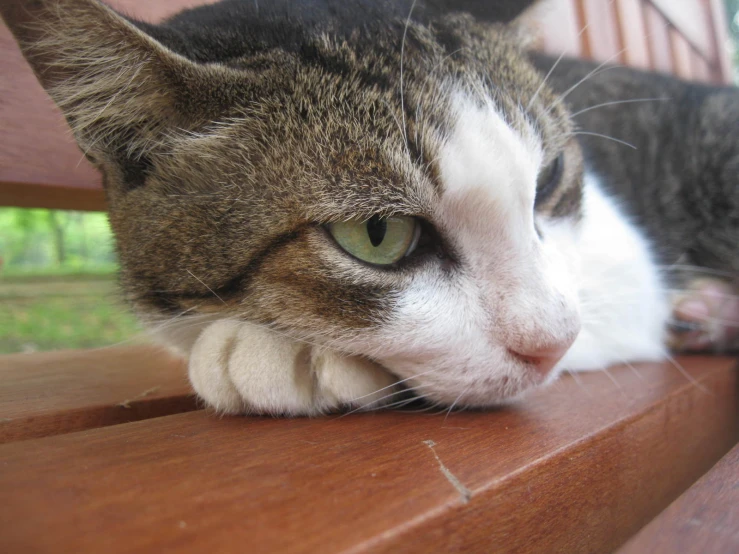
120	90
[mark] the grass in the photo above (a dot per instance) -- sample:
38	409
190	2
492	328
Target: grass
49	313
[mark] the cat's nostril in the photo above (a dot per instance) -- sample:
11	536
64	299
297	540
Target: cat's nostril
542	360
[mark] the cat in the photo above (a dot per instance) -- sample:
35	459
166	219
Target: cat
671	155
329	205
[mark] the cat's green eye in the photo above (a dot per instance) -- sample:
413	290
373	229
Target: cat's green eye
378	240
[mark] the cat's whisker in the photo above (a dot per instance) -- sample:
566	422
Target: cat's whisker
459	397
402	56
613	380
603	67
617	103
589	133
553	68
206	286
399	404
396	383
697	269
726	295
687	375
579	382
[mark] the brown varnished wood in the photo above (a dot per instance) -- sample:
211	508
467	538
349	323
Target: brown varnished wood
692	19
681	54
602	41
633	32
575	468
60	392
660	48
704	519
57	197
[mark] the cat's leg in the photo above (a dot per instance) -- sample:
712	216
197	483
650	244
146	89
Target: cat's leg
706	317
238	367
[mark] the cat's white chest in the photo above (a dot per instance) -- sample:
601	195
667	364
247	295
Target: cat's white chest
623	303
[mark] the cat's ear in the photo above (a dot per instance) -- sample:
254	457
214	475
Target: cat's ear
494	11
119	89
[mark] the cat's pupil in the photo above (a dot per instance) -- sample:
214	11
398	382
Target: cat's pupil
376	229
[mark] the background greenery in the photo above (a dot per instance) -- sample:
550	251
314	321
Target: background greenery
57	282
732	12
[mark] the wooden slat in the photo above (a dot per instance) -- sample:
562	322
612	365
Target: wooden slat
575	468
691	18
601	37
558	27
60	392
681	54
700	67
56	197
660	48
633	32
704	519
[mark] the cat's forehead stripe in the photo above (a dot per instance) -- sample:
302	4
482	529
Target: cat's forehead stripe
486	164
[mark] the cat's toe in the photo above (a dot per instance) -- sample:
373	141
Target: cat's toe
352	382
208	367
706	317
238	367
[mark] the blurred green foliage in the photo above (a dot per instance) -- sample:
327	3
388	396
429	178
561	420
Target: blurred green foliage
57	282
54	242
732	13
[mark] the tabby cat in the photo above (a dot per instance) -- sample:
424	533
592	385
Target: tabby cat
329	204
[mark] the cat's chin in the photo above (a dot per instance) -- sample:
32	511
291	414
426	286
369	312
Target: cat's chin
486	386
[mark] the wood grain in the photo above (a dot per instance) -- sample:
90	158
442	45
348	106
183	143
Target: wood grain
704	519
575	468
60	392
601	38
633	32
660	48
681	54
692	19
57	197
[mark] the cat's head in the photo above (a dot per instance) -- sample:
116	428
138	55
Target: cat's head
401	188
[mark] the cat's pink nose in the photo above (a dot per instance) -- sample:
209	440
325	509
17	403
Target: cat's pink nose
542	359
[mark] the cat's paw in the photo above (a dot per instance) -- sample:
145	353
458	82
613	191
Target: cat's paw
706	317
238	367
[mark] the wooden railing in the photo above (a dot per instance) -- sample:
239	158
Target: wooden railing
683	37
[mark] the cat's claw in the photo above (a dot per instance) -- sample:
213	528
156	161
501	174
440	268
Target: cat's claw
706	317
238	367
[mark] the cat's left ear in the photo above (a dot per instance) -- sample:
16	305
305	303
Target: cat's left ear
120	90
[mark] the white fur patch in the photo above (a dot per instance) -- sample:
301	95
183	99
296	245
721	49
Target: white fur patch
622	300
238	367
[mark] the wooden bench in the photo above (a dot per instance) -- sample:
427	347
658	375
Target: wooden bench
107	450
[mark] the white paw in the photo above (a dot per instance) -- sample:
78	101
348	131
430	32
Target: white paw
238	367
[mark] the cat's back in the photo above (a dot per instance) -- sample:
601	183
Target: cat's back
667	148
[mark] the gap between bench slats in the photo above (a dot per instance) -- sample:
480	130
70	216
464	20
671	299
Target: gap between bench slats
576	467
704	519
59	392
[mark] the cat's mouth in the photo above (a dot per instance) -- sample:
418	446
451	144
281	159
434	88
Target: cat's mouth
512	379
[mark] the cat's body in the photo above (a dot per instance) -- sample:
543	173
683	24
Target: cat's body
679	179
258	160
